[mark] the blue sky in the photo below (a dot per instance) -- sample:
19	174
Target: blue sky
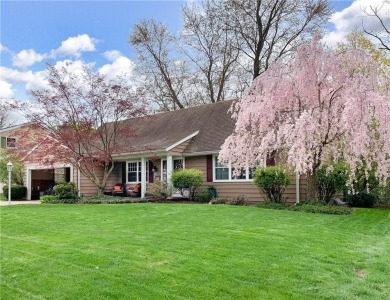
96	32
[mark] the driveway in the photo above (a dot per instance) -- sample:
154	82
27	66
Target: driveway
4	203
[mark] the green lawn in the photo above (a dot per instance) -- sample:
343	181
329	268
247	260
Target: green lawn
181	251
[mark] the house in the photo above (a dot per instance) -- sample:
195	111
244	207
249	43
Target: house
164	142
8	141
38	178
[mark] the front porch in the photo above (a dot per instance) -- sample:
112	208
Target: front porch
141	171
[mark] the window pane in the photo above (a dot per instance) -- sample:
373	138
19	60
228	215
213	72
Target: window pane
11	142
251	172
132	177
221	173
241	175
132	167
177	164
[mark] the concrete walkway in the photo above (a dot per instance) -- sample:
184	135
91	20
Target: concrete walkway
4	203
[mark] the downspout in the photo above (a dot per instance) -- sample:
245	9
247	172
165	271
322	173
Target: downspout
78	179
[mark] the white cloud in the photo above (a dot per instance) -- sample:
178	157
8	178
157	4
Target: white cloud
32	80
75	45
2	48
112	55
6	90
352	18
73	66
26	58
120	65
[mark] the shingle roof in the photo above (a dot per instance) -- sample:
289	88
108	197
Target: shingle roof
159	131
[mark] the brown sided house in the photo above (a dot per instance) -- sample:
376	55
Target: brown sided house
164	142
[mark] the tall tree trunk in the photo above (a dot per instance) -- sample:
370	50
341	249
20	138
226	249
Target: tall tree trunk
311	193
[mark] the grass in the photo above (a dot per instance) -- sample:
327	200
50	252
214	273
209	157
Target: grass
181	251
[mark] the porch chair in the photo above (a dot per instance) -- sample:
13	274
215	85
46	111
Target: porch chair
135	191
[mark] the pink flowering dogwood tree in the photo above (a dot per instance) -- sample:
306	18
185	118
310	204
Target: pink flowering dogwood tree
77	120
321	105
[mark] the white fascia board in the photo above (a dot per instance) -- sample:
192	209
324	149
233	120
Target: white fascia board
189	154
140	154
182	141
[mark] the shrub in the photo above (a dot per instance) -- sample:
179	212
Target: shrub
187	178
330	178
203	195
362	199
18	192
237	200
219	200
65	190
49	199
159	190
109	200
272	182
309	207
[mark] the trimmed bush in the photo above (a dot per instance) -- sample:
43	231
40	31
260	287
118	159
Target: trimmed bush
18	192
49	199
272	182
362	199
330	179
203	195
65	190
159	190
187	178
237	200
109	200
309	207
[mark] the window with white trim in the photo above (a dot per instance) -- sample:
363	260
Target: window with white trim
226	173
134	169
8	142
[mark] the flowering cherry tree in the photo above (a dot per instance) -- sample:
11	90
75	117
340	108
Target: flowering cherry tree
77	120
320	105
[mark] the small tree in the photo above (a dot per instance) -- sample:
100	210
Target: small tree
272	182
187	178
330	178
79	117
17	168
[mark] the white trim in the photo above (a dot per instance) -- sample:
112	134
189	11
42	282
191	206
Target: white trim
182	141
78	180
143	177
138	155
189	154
169	168
29	181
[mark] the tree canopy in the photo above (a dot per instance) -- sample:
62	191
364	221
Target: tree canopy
320	105
77	120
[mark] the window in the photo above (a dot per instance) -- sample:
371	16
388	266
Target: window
11	142
221	171
226	173
134	171
177	165
8	142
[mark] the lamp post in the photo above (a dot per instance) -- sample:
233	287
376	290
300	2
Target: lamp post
9	169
